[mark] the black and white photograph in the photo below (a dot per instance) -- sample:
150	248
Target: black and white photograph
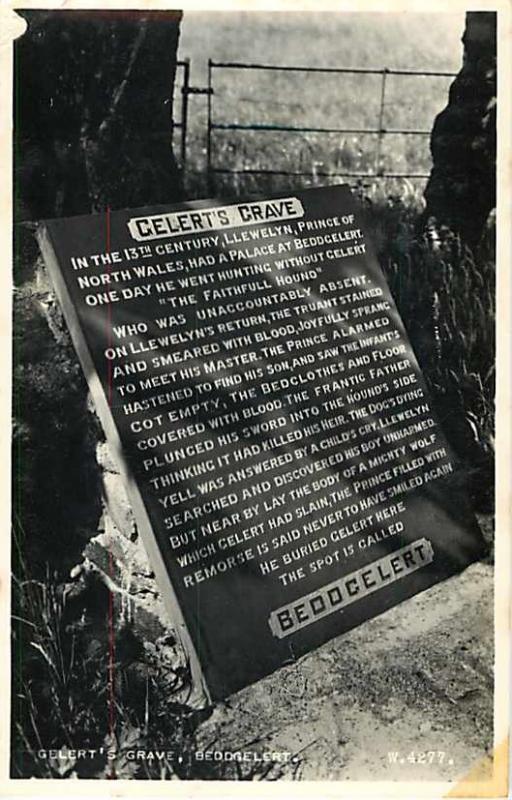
260	447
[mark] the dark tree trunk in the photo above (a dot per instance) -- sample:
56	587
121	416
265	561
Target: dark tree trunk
93	115
461	190
93	111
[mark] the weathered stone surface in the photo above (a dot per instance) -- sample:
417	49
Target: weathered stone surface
133	604
129	569
116	504
461	191
104	457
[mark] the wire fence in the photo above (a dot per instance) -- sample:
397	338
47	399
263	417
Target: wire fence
215	129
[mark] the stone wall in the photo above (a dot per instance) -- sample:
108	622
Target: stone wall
461	191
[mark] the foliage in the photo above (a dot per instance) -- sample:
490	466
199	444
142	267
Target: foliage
445	294
63	694
65	699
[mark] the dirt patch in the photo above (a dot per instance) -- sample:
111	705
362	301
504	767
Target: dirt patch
406	696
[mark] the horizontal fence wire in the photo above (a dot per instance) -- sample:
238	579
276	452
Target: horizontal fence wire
326	70
380	131
315	173
235	126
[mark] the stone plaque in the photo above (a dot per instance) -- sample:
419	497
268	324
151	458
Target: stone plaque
258	389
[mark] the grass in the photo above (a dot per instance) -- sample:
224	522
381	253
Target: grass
444	292
62	700
356	40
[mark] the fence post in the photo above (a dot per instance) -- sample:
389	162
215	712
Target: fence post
184	113
209	174
381	131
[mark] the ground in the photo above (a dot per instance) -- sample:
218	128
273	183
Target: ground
418	678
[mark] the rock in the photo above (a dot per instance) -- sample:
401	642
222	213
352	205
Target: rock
104	458
117	506
461	191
